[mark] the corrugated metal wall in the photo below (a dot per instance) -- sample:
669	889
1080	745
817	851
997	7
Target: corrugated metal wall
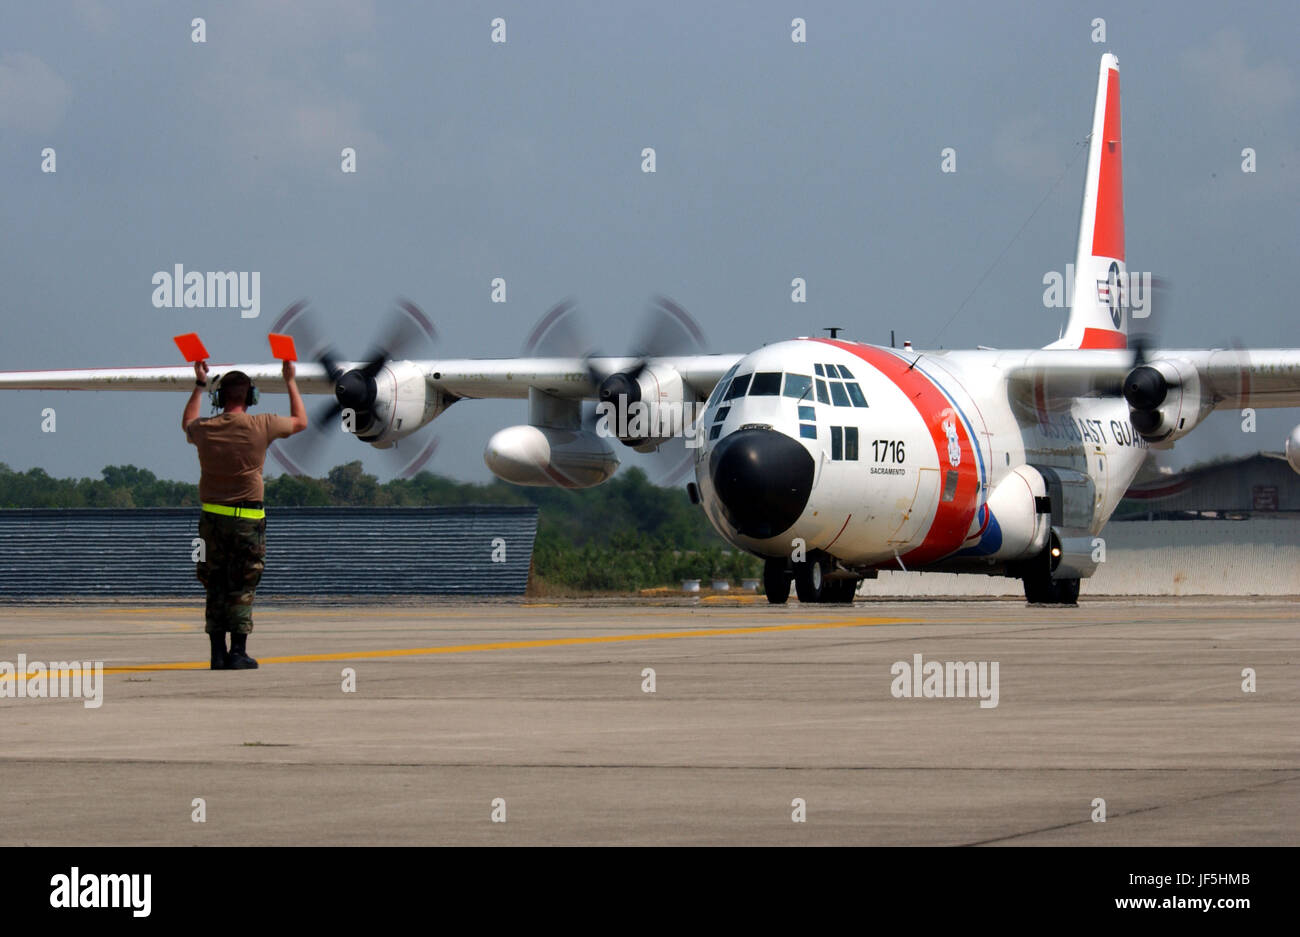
310	551
1261	484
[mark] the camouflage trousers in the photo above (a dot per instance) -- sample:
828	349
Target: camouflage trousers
230	569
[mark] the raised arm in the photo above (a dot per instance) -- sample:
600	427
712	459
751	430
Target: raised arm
192	405
297	412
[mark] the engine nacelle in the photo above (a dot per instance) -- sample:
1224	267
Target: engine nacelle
1019	519
645	410
403	402
1164	399
545	456
1293	449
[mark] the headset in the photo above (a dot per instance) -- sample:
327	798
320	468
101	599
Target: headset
218	397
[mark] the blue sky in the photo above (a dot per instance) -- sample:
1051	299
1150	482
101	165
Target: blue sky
522	160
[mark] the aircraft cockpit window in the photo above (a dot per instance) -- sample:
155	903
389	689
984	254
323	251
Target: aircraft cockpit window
721	386
844	444
855	394
838	395
797	385
850	444
821	372
766	384
822	395
738	387
845	373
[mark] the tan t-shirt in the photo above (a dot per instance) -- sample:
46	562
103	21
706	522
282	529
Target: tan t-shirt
232	449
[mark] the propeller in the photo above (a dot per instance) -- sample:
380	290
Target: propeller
406	329
666	330
1140	343
1145	388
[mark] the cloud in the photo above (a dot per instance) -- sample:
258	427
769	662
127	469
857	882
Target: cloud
33	97
1232	83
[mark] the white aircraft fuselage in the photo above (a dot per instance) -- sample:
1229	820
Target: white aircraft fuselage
904	452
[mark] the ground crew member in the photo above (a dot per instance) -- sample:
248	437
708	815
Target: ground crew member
232	525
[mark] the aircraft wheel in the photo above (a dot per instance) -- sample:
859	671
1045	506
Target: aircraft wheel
1040	587
776	581
809	582
1044	590
1067	591
1037	589
842	591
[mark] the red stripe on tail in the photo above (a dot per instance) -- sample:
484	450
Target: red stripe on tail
1103	338
1108	231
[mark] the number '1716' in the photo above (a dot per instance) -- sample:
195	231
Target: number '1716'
888	450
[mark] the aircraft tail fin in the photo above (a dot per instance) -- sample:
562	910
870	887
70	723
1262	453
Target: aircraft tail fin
1098	302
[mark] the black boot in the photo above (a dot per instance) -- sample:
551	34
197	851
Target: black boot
220	658
239	659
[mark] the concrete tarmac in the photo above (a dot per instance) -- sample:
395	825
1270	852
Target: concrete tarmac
1137	702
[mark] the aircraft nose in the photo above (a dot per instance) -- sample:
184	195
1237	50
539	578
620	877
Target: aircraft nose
763	479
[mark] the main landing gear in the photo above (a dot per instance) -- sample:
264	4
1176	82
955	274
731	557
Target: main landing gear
811	582
1041	588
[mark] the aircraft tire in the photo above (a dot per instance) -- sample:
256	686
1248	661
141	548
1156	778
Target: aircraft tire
1044	590
844	591
776	582
809	583
1037	590
1067	591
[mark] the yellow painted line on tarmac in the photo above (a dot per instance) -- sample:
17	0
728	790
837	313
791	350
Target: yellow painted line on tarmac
154	610
521	645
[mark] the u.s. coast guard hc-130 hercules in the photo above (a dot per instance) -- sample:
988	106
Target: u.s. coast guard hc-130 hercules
834	459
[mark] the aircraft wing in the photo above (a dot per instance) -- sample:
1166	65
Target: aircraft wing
562	377
311	378
466	377
1230	378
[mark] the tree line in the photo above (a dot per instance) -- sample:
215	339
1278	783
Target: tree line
623	535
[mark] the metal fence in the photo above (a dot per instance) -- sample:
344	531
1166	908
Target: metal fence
468	550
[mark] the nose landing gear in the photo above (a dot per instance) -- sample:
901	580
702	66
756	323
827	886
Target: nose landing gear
776	581
811	582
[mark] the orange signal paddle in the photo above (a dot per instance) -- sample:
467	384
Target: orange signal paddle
191	347
282	347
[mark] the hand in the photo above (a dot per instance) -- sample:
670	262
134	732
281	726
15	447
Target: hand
288	370
201	371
